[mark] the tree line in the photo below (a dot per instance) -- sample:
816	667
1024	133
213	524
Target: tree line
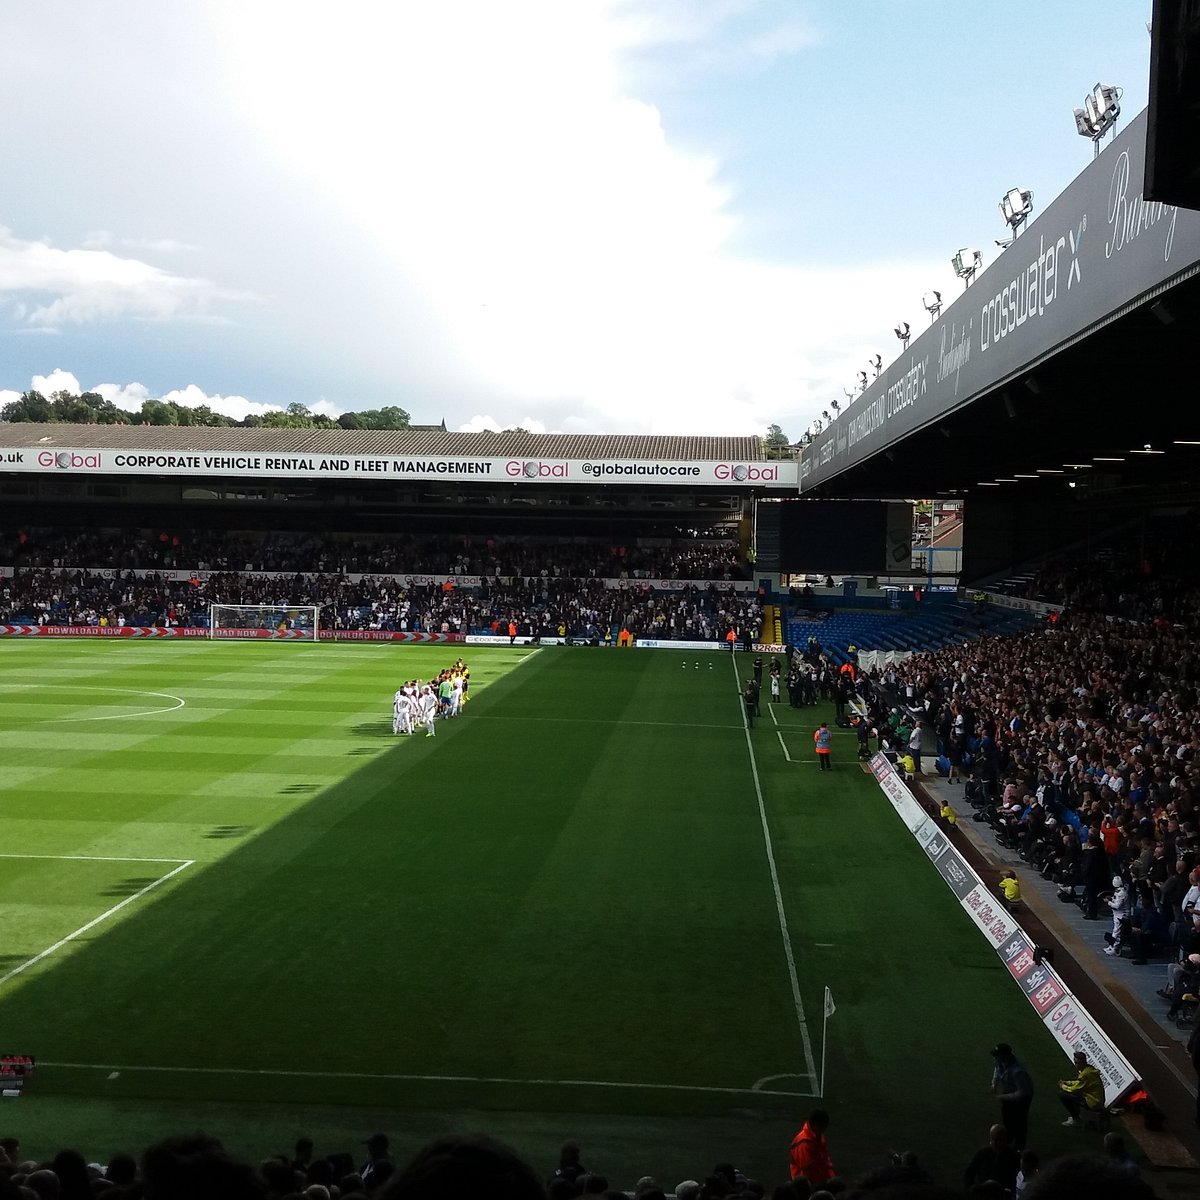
90	408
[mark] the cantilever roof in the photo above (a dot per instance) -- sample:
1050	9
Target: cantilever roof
516	444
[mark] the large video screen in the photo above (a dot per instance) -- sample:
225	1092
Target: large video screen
845	537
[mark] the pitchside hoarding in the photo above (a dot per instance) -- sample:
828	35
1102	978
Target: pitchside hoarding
1068	1021
780	475
1098	247
179	631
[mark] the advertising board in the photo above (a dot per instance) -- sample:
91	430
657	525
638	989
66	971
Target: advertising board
1071	1025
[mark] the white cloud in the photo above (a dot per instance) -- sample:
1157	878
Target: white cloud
103	239
237	407
160	245
91	284
323	408
481	423
713	34
57	381
570	249
542	245
131	396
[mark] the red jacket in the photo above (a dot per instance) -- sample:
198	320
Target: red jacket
1110	832
810	1156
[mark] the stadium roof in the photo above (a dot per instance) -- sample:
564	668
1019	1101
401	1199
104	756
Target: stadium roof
511	443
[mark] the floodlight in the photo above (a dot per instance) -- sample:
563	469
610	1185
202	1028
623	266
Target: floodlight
965	263
1015	207
836	406
876	364
1108	101
903	332
862	381
825	415
933	304
1099	113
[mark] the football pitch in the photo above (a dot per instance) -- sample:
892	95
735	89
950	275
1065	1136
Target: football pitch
596	904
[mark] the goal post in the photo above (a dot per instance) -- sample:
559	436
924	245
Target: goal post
283	622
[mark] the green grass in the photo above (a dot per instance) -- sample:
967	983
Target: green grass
554	919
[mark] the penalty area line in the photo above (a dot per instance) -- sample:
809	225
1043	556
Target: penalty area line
755	1090
78	933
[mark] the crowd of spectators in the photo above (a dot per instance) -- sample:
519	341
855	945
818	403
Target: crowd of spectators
1143	579
1080	742
542	586
539	606
475	1166
703	554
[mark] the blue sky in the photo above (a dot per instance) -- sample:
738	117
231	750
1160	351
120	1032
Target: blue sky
669	216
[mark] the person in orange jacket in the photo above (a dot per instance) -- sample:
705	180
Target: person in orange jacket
823	741
810	1152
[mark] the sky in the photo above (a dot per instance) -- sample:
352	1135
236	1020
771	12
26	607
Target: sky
583	216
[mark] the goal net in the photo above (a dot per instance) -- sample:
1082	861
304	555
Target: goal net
285	622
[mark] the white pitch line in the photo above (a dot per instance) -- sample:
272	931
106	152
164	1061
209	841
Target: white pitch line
83	687
783	926
98	858
758	1087
473	1079
116	908
781	742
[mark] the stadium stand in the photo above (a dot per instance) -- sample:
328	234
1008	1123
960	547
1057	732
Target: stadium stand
540	606
548	586
1079	744
1114	769
935	626
705	554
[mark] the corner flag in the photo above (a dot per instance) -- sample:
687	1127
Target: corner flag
829	1008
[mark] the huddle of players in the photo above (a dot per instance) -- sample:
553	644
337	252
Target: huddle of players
421	704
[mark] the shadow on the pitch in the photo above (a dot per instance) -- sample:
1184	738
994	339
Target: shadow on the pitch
129	887
361	750
228	831
373	729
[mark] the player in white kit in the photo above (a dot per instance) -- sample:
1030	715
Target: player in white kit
401	713
429	709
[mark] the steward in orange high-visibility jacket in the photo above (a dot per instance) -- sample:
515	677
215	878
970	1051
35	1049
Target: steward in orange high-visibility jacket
810	1152
823	740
